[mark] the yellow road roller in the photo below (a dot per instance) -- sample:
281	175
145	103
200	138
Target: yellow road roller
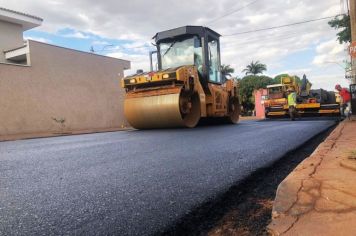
186	87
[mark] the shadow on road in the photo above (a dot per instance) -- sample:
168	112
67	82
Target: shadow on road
245	209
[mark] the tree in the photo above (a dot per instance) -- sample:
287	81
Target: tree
248	84
255	68
226	70
277	79
344	35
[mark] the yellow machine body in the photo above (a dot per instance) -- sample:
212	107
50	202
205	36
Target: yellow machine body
176	98
276	104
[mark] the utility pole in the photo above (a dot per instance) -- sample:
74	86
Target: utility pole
353	36
352	13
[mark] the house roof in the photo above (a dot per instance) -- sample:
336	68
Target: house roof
25	20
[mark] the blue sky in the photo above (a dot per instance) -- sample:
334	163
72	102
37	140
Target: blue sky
120	29
83	41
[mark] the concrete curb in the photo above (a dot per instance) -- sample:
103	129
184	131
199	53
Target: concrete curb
319	196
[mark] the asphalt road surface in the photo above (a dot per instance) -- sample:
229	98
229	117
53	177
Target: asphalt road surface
134	182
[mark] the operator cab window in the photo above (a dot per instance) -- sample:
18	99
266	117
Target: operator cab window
214	65
198	55
181	52
275	92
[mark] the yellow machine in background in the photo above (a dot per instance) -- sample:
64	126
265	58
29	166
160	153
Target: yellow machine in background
309	102
188	85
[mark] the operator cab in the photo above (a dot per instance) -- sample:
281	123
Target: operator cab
191	45
275	91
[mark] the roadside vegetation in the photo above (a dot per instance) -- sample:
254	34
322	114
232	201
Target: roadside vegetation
255	68
343	25
227	70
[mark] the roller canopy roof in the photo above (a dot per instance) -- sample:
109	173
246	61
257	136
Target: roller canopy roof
185	30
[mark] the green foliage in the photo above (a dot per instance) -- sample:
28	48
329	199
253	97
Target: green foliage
344	24
277	79
226	70
255	68
247	85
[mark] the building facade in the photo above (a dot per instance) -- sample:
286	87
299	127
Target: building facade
49	90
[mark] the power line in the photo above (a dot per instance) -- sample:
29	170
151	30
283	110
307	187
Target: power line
143	46
232	12
269	41
216	19
280	26
269	38
119	47
342	6
239	33
348	7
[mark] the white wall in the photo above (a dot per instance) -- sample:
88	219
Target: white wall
62	91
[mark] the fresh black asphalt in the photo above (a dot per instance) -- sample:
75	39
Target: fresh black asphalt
132	182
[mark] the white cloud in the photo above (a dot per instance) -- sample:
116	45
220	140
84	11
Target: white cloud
39	39
328	81
329	52
138	61
260	18
299	71
77	34
100	42
139	20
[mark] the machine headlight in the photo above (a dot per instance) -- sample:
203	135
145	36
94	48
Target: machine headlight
132	81
148	78
171	75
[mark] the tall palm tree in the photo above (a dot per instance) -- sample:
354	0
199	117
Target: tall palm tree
255	68
226	70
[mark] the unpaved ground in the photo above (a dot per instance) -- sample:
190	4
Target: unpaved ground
246	208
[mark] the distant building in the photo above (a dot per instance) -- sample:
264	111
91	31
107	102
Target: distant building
49	90
260	97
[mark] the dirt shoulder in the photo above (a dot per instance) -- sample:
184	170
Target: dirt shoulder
319	196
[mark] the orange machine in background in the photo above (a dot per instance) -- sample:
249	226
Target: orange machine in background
310	102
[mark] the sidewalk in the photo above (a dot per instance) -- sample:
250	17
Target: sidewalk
319	196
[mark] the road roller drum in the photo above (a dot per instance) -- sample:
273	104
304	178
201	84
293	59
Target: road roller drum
162	111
